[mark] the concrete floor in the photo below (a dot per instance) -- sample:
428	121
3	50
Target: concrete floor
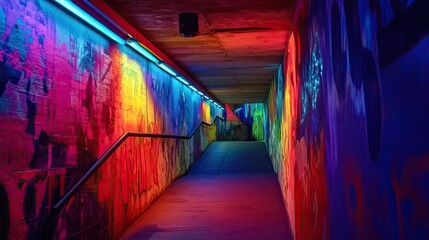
230	193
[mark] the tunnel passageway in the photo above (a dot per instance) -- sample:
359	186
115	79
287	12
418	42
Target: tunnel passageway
231	192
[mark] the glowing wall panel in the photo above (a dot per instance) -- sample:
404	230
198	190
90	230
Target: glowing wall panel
347	120
66	94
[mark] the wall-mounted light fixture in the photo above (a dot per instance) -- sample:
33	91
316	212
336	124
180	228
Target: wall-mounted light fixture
167	68
193	88
70	6
143	51
182	80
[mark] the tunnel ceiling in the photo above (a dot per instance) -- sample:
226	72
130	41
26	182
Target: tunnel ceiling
238	51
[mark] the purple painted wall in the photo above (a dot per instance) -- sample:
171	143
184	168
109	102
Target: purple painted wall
347	120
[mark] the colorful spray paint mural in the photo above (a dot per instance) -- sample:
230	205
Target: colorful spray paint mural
253	115
244	122
235	129
66	94
347	120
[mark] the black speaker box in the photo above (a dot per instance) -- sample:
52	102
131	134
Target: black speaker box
188	24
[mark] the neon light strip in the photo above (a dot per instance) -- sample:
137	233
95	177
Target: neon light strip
90	20
136	46
193	88
167	68
182	80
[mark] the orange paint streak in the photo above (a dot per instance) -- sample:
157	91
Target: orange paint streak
205	112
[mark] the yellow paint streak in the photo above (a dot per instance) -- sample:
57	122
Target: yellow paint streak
205	112
137	107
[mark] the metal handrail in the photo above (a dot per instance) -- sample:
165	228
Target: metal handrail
72	191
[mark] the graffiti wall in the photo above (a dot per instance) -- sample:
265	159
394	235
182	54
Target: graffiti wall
66	94
244	122
253	115
347	120
234	128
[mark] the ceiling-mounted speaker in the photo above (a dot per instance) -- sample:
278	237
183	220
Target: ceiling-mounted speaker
188	24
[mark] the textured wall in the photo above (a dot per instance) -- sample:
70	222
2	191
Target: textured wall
253	115
347	120
234	128
66	94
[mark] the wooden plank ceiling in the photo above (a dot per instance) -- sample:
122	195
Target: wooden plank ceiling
234	66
